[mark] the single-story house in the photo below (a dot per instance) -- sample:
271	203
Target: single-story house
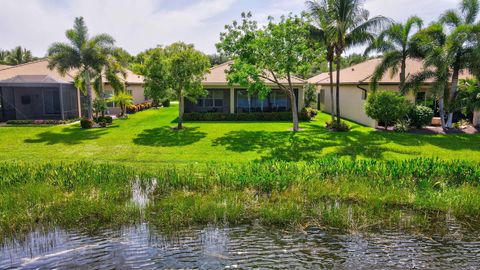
226	98
32	91
355	86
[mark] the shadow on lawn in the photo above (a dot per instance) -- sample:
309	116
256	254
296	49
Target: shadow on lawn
69	135
166	137
309	144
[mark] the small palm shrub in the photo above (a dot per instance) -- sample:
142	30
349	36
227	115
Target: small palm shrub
86	123
420	116
402	126
342	127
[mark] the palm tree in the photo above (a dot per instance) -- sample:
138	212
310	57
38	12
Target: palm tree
431	45
394	43
86	55
352	27
123	100
16	56
323	32
460	22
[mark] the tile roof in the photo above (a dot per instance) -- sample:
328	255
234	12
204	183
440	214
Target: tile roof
218	76
4	67
40	68
362	73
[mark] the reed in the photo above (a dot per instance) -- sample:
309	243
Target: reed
353	195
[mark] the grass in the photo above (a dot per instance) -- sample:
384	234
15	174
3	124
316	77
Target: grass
146	140
352	195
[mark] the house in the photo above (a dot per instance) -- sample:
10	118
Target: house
226	98
32	91
355	85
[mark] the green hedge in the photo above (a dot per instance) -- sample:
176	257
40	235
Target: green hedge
255	116
40	122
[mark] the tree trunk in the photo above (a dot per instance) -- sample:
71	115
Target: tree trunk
441	108
403	76
180	111
89	95
338	90
293	101
332	99
453	92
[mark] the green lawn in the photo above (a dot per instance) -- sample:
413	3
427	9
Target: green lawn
146	140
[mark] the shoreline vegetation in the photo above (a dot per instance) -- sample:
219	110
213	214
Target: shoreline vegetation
362	195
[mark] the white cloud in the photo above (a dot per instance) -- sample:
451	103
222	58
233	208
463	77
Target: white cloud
141	24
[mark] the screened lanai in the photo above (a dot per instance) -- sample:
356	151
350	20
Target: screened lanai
37	97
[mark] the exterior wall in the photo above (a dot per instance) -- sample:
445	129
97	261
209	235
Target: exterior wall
476	118
352	102
137	92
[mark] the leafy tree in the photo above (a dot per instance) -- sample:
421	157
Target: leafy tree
217	59
462	23
271	54
310	91
394	43
387	107
177	70
352	27
87	55
122	100
155	68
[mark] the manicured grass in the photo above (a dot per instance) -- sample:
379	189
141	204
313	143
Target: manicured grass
146	140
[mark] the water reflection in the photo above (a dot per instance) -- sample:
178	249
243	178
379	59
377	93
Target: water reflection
144	247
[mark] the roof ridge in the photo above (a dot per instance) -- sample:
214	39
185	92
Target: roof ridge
26	64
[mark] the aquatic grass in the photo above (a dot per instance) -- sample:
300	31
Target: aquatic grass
354	195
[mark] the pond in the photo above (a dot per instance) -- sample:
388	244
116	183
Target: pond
145	247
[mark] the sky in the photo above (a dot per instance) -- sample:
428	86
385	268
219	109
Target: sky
141	24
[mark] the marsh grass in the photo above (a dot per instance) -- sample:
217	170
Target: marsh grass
334	193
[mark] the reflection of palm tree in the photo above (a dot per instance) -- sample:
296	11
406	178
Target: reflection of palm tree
352	27
394	43
88	55
324	33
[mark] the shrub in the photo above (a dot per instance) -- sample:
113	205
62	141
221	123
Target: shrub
166	103
104	119
387	107
420	116
309	112
402	126
99	105
86	123
342	127
254	116
41	122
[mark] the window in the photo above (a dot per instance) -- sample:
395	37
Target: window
51	101
130	92
213	99
26	100
275	101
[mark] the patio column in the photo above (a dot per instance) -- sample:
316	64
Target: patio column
62	111
232	100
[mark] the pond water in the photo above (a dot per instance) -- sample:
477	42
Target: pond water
143	247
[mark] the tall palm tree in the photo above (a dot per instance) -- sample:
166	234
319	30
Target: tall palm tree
431	45
460	22
353	27
83	54
323	32
394	43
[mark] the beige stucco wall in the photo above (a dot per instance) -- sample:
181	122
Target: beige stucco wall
476	118
352	105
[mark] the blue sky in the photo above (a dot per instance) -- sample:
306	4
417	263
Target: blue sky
141	24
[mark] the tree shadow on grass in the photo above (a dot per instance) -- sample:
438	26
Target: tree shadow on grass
167	137
70	136
309	144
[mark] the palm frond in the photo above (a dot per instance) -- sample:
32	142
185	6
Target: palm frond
470	9
390	60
